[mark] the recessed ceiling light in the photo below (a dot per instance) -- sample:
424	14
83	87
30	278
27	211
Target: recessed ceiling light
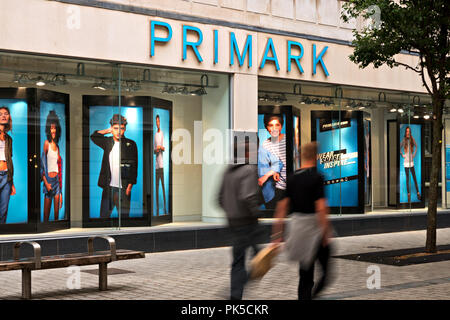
40	82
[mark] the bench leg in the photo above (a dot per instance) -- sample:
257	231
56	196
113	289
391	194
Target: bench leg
26	283
103	276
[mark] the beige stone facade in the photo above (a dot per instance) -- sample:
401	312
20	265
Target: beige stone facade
119	32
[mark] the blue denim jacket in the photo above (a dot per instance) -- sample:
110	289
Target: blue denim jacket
268	161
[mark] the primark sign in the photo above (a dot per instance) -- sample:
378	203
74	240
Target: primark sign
161	33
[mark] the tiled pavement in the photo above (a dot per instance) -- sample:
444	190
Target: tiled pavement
204	275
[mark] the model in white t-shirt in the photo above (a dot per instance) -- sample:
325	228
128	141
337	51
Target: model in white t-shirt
159	164
51	167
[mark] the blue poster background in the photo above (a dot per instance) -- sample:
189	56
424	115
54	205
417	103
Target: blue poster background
367	157
59	108
296	147
344	193
99	117
416	134
447	167
164	122
18	204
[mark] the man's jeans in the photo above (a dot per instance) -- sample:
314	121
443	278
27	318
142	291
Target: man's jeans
110	199
5	193
243	238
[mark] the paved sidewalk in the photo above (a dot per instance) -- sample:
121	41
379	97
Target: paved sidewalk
204	275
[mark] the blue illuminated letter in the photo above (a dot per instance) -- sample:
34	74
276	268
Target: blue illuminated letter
295	58
154	39
269	46
192	44
235	49
319	59
216	46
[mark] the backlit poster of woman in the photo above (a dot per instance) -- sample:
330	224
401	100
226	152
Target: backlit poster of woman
7	188
410	159
296	138
53	157
13	161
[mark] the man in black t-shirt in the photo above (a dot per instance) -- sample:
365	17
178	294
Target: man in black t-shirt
305	196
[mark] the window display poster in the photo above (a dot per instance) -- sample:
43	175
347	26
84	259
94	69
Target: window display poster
161	161
296	143
338	160
447	167
272	157
53	169
106	186
14	193
410	185
367	165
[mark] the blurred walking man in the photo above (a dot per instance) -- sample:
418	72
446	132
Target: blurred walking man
309	229
240	198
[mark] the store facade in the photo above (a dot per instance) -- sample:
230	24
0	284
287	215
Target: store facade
168	93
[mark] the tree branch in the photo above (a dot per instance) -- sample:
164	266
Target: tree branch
430	73
423	76
407	66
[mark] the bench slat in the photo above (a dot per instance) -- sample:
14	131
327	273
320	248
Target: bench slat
80	259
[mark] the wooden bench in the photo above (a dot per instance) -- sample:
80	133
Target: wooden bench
102	258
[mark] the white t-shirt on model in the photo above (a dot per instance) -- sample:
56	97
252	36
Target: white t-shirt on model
114	164
159	141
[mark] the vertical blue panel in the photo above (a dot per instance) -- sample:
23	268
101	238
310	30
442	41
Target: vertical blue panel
164	118
447	167
296	143
59	108
417	135
339	193
99	117
18	204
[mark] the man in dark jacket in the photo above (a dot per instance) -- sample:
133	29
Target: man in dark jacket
240	197
118	173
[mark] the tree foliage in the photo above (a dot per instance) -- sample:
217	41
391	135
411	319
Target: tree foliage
417	26
420	27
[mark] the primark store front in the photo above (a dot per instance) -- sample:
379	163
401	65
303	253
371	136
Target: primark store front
112	117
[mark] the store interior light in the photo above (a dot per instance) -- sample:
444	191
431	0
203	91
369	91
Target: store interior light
305	100
100	86
40	81
183	90
199	92
400	110
315	101
171	90
393	110
426	117
416	116
58	80
22	78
